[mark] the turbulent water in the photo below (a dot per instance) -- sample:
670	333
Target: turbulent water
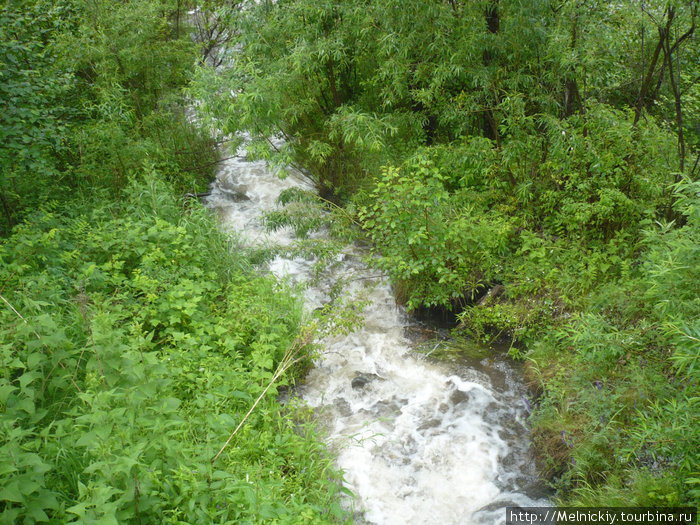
419	442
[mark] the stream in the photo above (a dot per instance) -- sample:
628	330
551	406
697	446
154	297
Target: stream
419	440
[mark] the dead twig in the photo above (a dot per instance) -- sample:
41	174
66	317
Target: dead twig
290	358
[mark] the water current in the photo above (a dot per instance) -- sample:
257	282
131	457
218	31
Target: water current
419	441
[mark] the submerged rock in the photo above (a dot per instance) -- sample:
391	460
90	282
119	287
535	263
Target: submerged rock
361	380
235	192
236	196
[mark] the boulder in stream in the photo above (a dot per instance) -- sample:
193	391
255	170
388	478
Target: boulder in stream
361	380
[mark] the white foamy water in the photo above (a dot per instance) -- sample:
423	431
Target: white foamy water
419	442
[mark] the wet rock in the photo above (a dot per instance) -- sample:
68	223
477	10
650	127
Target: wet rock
237	196
537	490
430	424
343	407
459	396
385	407
235	192
361	380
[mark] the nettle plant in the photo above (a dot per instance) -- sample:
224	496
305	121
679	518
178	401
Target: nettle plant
133	341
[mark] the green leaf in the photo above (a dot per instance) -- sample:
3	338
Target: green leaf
5	391
13	492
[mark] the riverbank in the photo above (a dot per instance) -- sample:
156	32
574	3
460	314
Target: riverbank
134	336
396	420
516	151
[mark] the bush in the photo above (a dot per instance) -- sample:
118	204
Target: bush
620	376
429	241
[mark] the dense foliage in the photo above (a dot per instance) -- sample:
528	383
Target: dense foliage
621	377
89	98
547	149
134	338
133	342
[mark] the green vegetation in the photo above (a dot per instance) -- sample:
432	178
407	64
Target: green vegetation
547	148
90	97
133	343
134	338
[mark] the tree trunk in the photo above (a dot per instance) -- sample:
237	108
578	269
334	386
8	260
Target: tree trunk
678	105
572	96
489	124
643	100
6	209
644	88
493	23
334	89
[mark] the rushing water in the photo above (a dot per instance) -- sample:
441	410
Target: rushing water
419	442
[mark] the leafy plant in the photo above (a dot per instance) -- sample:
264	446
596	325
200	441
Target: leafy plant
433	245
131	348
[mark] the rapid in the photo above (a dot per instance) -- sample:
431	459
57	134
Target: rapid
419	440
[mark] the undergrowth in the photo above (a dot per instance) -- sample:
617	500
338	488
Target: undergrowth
133	340
611	341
